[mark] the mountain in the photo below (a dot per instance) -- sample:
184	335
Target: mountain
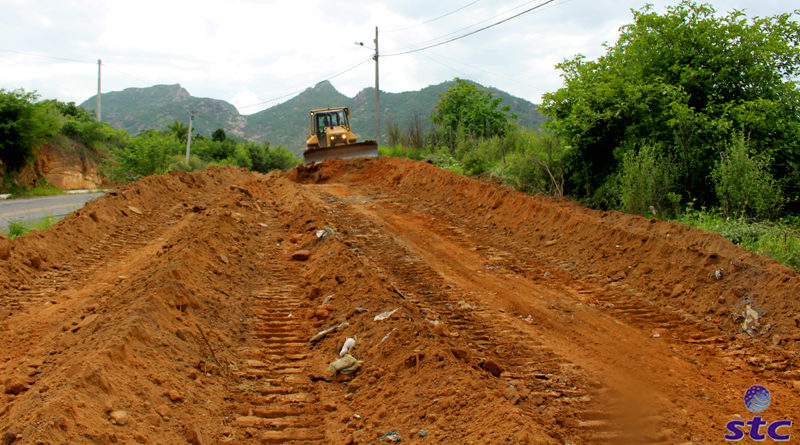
139	109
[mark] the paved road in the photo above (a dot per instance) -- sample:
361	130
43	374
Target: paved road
32	209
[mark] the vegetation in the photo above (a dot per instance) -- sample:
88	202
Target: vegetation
686	84
18	227
779	239
688	108
26	124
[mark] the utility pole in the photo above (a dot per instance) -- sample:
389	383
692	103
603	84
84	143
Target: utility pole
97	113
377	95
189	138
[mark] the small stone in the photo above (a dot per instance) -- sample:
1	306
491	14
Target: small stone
174	396
119	417
193	435
140	438
301	255
153	419
163	411
796	384
492	367
15	386
321	313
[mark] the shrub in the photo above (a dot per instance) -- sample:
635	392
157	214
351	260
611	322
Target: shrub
644	180
744	186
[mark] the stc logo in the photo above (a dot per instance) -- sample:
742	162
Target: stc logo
757	399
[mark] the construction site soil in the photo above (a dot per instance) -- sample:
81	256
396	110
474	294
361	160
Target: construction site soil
206	307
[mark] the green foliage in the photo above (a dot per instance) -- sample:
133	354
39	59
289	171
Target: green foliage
265	158
18	227
744	185
466	107
218	135
147	154
535	163
645	183
179	130
684	82
779	240
42	189
178	162
23	125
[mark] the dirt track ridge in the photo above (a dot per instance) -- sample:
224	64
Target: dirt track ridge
180	308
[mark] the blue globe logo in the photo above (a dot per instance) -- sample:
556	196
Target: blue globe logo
757	399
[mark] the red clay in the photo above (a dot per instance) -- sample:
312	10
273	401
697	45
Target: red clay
171	311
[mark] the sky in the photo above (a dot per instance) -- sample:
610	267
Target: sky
255	54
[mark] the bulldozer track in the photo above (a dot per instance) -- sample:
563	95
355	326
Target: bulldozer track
274	393
549	382
187	317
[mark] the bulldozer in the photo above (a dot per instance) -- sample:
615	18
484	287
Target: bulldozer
331	137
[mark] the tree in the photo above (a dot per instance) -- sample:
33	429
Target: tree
471	109
23	125
218	135
684	82
179	130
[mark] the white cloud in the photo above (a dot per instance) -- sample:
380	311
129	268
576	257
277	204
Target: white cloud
247	51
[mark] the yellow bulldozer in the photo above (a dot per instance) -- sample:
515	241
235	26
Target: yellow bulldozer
331	137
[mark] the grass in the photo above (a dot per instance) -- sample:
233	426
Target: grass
779	240
40	190
18	227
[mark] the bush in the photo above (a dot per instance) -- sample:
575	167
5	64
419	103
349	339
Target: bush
645	181
23	125
535	163
744	185
779	240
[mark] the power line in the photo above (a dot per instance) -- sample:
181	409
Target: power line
46	57
471	32
434	19
306	87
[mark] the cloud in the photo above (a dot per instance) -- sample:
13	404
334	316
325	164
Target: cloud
248	51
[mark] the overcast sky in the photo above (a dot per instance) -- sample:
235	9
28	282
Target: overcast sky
255	54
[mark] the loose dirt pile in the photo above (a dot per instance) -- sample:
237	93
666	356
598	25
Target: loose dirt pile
206	308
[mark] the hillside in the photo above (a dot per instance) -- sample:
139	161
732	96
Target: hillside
139	109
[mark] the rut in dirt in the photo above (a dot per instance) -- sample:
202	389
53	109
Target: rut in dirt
172	311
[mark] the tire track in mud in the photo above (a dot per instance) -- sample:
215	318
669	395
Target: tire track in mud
549	387
274	401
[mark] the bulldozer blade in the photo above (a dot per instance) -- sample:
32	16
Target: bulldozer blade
366	149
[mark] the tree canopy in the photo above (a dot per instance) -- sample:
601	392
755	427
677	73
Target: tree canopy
685	82
471	109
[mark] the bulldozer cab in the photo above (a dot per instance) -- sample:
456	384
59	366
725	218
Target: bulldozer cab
329	119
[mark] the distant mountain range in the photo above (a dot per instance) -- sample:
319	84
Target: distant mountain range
286	124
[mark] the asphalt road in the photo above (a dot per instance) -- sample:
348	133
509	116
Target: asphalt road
32	209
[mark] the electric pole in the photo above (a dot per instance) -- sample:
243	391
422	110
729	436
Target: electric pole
97	113
189	138
377	95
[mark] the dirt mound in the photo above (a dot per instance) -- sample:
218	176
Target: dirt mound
207	307
666	263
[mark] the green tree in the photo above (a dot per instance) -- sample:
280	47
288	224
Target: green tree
23	125
179	130
149	153
218	135
471	109
743	184
683	82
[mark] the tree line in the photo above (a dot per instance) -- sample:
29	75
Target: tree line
691	114
26	124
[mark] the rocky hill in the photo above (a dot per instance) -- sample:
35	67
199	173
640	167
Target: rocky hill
139	109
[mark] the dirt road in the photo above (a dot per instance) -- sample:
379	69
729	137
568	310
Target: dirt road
180	309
